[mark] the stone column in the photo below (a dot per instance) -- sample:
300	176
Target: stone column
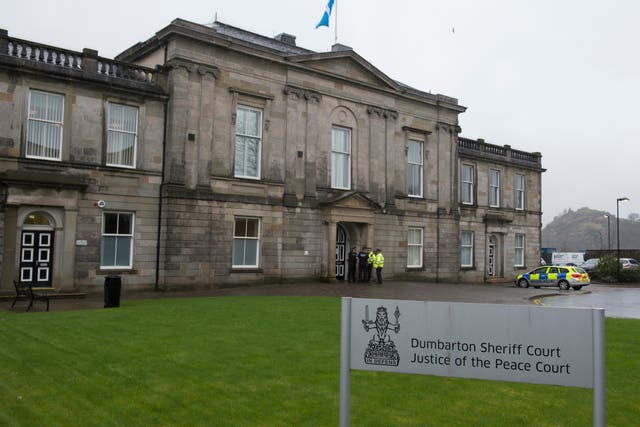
205	134
177	120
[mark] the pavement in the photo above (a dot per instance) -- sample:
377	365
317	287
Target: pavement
498	293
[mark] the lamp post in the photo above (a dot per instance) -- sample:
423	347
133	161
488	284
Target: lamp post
618	200
608	229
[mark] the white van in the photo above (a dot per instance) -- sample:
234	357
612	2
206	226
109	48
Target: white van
567	258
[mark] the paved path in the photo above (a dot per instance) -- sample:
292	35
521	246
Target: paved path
503	293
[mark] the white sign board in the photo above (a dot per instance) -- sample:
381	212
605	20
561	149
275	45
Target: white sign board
530	344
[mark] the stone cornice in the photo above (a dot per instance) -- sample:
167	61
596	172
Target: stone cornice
192	67
301	93
382	112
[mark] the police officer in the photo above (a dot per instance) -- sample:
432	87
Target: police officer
370	257
352	260
378	263
362	264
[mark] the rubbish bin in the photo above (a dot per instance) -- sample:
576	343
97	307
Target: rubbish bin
112	285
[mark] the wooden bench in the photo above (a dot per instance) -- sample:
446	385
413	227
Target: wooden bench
28	291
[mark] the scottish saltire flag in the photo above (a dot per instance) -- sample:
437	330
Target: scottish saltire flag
324	21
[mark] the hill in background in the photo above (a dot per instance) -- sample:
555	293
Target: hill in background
586	229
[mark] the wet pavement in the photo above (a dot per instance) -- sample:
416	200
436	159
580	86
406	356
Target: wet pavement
617	301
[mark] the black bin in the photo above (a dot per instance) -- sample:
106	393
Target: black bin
112	286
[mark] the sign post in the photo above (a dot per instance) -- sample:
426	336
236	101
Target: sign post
483	341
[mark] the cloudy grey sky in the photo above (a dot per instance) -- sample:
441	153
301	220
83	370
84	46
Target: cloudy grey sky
561	77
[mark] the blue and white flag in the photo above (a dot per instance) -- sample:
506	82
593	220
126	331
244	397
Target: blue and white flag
324	21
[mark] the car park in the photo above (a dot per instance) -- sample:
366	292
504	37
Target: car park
562	276
628	263
590	264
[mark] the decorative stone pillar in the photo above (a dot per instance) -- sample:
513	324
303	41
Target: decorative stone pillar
207	116
177	119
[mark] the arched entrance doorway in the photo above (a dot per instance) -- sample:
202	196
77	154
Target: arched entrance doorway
36	250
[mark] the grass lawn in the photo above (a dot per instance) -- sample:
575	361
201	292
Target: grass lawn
258	361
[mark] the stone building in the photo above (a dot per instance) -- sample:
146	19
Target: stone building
208	156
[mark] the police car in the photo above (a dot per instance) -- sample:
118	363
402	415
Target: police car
562	276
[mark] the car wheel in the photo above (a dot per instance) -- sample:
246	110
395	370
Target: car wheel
563	284
577	288
522	283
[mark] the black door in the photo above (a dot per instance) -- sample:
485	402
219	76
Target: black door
36	254
341	250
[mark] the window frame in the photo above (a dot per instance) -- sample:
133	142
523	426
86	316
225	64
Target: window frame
259	137
419	246
519	250
494	187
469	247
347	154
130	235
110	131
58	124
245	238
519	192
470	184
420	167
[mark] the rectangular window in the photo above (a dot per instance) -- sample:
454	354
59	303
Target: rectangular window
117	240
414	168
467	184
44	133
519	192
122	135
341	158
494	188
248	142
246	242
466	249
414	247
519	250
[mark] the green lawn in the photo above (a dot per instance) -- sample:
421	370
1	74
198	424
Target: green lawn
258	361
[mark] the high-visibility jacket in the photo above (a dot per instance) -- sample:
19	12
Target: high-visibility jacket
378	261
371	258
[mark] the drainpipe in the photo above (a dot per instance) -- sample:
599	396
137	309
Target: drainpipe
159	227
437	245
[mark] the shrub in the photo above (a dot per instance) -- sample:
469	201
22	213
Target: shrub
609	271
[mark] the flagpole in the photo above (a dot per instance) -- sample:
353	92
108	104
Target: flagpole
336	6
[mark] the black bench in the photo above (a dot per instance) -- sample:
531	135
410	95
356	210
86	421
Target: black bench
26	291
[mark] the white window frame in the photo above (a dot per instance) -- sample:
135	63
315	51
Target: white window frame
258	137
467	184
114	129
51	124
466	246
244	239
519	191
412	247
494	188
519	245
336	155
412	165
129	235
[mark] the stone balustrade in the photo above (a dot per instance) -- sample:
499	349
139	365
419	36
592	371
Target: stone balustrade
479	148
85	61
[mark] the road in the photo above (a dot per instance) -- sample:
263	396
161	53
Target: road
617	301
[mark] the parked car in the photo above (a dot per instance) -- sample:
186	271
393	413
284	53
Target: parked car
590	264
562	276
629	263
